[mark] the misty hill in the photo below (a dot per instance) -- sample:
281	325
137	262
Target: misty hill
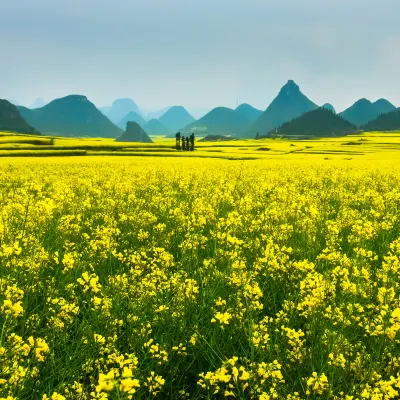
385	122
289	104
330	107
14	101
176	118
248	112
220	120
132	116
39	102
73	115
119	109
363	111
155	127
12	121
134	133
158	113
319	122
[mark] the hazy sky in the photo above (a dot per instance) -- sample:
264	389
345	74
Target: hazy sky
199	53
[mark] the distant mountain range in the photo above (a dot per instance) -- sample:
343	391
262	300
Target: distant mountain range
134	133
220	120
157	114
132	116
248	112
363	111
176	118
38	103
76	116
12	121
72	115
317	123
385	122
156	127
119	109
289	104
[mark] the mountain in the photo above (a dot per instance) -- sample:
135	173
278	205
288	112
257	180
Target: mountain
176	118
119	109
319	122
220	120
157	114
104	110
385	122
363	111
384	106
199	112
132	116
39	102
155	127
248	112
330	107
13	101
72	115
289	104
12	121
134	133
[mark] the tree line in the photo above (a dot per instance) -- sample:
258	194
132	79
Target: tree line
185	143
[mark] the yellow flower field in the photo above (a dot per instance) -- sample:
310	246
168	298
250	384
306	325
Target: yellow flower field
141	277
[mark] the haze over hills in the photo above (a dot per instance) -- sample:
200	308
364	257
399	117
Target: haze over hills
75	115
12	121
157	114
72	115
220	120
363	111
385	122
132	116
156	127
119	109
134	133
248	112
290	103
176	118
317	123
13	101
38	103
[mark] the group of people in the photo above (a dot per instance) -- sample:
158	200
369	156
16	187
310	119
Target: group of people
184	143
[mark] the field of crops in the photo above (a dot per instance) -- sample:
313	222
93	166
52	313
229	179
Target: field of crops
366	147
199	278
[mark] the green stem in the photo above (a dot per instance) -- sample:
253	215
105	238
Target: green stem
2	331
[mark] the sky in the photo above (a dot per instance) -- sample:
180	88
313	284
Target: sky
199	53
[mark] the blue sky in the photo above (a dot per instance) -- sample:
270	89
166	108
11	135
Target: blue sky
199	53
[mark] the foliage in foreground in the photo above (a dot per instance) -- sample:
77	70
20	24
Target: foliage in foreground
238	280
